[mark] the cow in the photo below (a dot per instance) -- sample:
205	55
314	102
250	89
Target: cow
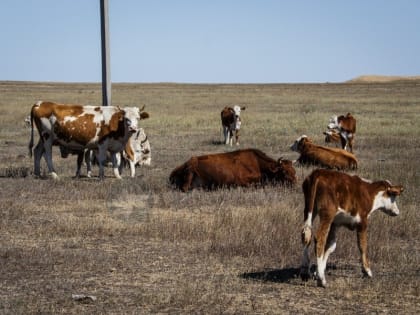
231	123
137	151
237	168
77	127
340	199
345	126
333	158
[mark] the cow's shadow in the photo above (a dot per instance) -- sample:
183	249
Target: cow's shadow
288	275
276	275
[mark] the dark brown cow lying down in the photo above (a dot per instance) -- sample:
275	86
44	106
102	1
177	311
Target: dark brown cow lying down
237	168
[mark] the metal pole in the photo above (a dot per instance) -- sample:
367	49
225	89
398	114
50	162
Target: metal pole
106	72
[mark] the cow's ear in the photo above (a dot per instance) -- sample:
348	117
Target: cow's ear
144	115
243	108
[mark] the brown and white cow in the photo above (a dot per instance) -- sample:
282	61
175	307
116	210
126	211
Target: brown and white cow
237	168
77	127
345	126
341	200
137	151
313	154
231	123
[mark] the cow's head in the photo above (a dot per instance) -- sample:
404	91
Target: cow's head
332	135
285	172
300	143
237	116
333	123
132	116
385	200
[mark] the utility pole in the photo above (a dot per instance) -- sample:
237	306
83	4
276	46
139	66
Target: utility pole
106	72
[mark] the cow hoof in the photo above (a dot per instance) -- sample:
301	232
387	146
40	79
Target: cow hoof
321	283
54	176
367	273
304	275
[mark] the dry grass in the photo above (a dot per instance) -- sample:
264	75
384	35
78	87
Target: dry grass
141	247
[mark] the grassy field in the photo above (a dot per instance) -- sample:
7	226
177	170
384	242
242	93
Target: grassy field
140	247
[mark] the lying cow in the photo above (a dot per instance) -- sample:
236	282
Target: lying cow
77	127
237	168
341	200
311	153
231	123
345	127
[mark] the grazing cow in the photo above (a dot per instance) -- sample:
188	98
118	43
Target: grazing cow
345	126
231	123
341	200
311	153
77	127
237	168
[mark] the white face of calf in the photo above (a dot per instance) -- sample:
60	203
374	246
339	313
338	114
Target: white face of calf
237	112
386	201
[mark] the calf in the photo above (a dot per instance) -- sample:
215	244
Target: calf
137	151
311	153
237	168
231	123
341	200
345	126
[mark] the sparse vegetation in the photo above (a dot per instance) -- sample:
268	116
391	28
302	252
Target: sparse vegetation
141	247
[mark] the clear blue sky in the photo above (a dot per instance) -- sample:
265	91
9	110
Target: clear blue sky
210	41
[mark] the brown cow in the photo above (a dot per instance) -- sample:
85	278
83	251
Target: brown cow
345	126
311	153
237	168
341	200
231	123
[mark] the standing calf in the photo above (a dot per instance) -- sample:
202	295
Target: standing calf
341	200
231	123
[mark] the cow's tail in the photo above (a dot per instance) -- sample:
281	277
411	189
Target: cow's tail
309	187
31	141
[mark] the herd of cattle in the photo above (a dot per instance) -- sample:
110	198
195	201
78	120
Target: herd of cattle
339	199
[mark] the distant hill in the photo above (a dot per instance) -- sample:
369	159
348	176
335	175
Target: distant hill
383	78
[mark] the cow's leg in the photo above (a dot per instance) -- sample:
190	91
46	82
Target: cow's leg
230	137
237	137
88	161
331	243
101	156
350	142
80	156
362	244
48	156
132	168
306	240
321	238
38	153
226	133
115	165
